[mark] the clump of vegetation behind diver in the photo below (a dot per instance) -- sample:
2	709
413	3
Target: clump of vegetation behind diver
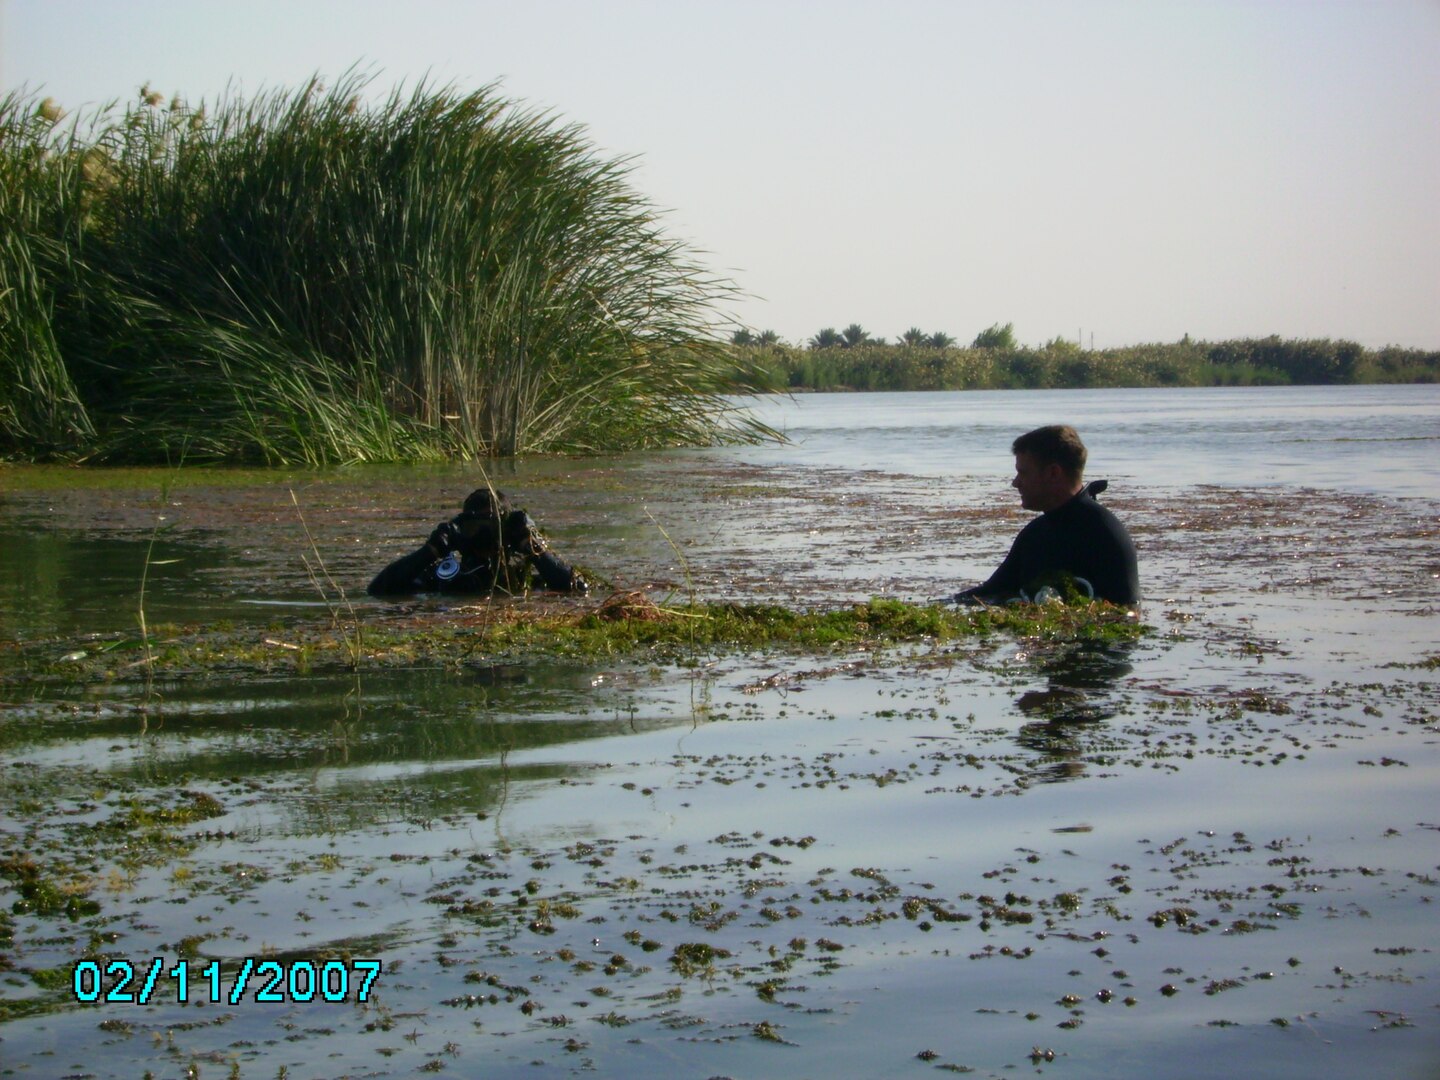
306	278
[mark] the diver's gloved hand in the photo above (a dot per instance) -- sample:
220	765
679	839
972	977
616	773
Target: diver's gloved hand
520	534
446	538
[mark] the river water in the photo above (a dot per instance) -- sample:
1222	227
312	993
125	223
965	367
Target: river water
1215	849
1381	439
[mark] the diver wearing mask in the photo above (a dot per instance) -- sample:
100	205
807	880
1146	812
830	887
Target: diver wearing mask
486	548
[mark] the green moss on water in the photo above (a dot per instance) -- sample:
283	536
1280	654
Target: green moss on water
59	978
156	815
634	627
1430	663
40	893
694	957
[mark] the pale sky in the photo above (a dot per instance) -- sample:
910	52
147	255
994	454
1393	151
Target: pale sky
1123	170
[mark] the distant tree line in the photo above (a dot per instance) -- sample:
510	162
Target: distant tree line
852	359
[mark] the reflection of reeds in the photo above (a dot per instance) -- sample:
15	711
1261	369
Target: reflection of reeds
352	633
684	567
300	278
149	658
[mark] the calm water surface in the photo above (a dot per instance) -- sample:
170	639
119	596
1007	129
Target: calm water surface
1383	439
1213	852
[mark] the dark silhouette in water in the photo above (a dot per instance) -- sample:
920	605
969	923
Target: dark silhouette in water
486	548
1068	713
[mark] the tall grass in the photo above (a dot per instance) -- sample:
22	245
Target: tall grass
40	180
301	277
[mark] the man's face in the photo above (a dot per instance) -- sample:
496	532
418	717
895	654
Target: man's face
1041	486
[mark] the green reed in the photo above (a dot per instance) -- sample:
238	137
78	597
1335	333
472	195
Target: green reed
303	277
41	206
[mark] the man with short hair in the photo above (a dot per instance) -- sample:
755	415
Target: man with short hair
1073	537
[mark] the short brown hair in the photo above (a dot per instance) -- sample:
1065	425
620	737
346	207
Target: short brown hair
1054	444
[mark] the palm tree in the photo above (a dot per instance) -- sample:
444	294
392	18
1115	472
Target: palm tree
825	339
742	337
914	336
940	340
853	335
768	337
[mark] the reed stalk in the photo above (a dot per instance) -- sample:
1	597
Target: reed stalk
334	597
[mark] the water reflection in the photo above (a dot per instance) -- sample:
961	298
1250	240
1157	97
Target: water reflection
350	805
344	752
58	582
416	715
1068	714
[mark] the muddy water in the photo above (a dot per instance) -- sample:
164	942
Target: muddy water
1216	849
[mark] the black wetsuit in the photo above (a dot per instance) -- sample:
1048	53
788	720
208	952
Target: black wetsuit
1080	538
481	563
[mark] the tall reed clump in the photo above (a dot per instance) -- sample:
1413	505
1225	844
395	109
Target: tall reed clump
301	277
41	214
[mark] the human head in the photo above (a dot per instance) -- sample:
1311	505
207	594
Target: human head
486	502
1049	466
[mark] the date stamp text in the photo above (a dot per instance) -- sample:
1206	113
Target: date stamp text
263	981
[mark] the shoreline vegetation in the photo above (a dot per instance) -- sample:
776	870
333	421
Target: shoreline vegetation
869	365
304	278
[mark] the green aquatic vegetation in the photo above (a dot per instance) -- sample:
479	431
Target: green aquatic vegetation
1430	663
632	628
693	957
42	894
767	1032
50	883
139	815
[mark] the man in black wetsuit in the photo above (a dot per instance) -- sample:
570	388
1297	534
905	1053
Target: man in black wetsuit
1074	535
487	548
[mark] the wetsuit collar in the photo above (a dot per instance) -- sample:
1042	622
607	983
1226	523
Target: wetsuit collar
1087	491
